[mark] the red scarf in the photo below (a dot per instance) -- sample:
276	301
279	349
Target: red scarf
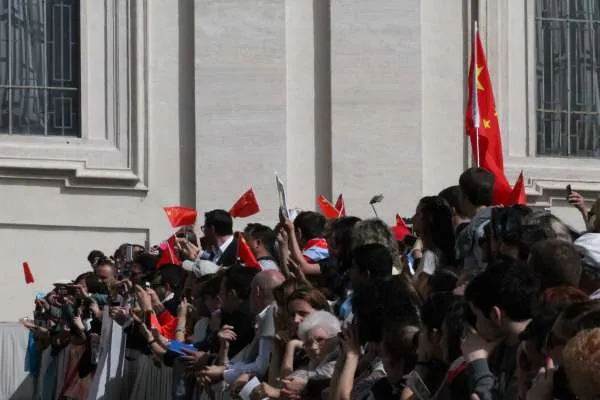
456	371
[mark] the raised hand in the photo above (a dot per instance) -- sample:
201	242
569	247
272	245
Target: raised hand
577	201
227	335
182	309
143	298
543	383
194	359
350	340
213	372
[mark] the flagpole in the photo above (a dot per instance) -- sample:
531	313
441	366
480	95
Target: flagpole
475	100
374	210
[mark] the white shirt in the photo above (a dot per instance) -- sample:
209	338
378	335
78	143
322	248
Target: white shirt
217	252
168	297
221	249
429	263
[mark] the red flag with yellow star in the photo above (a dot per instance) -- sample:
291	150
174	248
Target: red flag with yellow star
181	216
482	116
246	206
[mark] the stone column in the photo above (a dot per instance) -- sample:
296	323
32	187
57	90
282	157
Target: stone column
376	104
308	101
240	101
445	57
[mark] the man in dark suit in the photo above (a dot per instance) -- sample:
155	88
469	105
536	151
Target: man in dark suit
219	237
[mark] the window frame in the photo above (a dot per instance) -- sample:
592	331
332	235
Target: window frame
111	151
508	32
48	86
570	111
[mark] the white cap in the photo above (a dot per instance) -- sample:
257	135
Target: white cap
200	267
588	246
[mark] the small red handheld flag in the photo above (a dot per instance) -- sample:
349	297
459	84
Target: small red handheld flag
340	206
168	254
328	210
246	206
245	255
181	216
400	230
27	272
518	196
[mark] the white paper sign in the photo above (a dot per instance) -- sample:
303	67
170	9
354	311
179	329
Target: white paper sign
282	197
248	388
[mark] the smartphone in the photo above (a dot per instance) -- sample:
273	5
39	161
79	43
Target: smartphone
569	191
177	347
418	387
94	348
129	253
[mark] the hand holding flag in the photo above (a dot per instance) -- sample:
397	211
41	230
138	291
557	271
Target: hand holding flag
168	253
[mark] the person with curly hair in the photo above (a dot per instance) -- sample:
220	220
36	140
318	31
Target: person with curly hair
582	364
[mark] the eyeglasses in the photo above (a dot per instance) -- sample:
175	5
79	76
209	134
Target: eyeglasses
317	340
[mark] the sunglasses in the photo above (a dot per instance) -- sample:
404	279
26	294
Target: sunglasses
317	340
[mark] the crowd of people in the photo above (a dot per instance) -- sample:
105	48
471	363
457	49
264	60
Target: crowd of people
475	302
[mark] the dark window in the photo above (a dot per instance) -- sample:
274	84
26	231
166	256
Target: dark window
40	68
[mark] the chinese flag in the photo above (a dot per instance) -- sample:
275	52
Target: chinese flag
481	113
328	209
168	253
340	206
400	230
27	272
181	216
517	196
245	255
245	206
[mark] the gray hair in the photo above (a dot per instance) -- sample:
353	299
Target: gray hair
370	231
542	225
319	319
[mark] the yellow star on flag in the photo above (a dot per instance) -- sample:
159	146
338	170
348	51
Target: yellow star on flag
487	124
478	72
